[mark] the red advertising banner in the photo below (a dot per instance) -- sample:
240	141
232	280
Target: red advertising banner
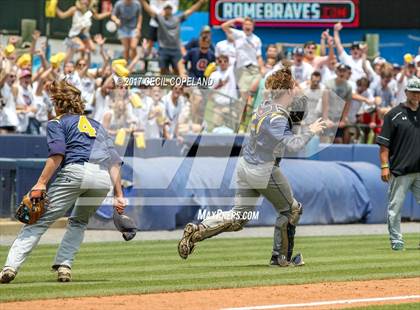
287	13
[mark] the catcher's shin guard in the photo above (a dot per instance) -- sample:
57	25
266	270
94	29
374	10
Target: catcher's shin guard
295	212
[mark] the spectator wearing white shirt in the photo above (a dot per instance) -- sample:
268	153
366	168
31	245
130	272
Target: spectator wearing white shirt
8	93
25	104
223	81
271	56
407	73
227	47
362	100
301	71
174	103
384	91
249	62
142	112
156	118
313	89
328	70
355	60
102	102
42	102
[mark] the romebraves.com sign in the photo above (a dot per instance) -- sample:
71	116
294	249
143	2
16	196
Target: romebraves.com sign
287	13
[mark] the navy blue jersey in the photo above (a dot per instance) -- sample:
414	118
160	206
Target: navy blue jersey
199	61
80	139
271	135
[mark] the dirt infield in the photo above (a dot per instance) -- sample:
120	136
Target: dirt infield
244	297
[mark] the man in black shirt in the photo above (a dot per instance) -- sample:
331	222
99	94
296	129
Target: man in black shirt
400	157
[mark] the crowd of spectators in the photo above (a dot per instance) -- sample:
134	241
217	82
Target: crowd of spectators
236	68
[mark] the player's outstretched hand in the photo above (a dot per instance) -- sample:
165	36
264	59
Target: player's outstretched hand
119	204
318	126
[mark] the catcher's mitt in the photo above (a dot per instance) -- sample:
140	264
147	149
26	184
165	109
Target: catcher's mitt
125	225
33	205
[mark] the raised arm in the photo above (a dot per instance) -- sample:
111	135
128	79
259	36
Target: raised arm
229	24
99	16
326	59
148	8
194	7
35	38
63	15
337	39
324	37
100	40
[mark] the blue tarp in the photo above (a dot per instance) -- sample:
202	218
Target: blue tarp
170	191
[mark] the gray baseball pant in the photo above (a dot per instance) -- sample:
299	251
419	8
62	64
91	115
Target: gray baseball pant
82	186
252	182
397	191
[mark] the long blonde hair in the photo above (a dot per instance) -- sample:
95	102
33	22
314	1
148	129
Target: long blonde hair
279	83
280	79
67	98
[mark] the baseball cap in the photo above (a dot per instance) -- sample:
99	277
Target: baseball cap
9	49
168	4
355	45
379	60
206	28
413	85
298	51
24	60
25	73
396	65
341	67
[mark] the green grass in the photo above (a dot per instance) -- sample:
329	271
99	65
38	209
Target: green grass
402	306
154	266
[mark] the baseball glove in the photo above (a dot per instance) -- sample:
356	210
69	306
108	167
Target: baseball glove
125	225
33	205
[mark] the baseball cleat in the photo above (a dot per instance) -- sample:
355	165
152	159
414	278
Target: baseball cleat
63	274
297	260
279	261
7	275
398	246
186	244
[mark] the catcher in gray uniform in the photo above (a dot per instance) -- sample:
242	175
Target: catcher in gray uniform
258	172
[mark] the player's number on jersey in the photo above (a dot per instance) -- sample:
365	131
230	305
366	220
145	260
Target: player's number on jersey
85	127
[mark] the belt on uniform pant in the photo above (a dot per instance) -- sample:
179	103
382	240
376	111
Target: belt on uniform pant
98	166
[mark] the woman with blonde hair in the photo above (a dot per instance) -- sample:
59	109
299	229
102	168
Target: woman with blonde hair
88	167
258	172
82	13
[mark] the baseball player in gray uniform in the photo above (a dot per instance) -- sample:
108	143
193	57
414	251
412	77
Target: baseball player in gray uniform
88	167
258	172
